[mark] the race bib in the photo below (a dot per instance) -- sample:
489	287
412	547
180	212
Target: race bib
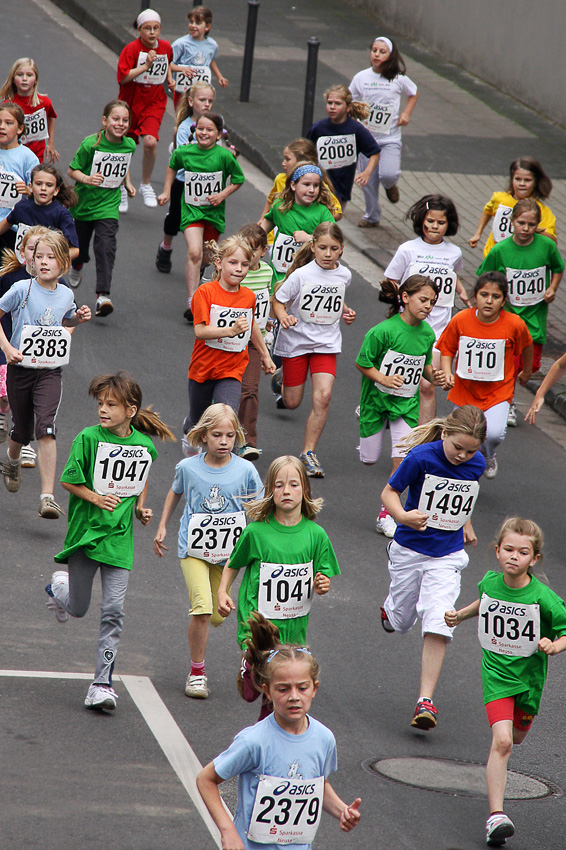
20	233
449	502
286	811
157	74
212	537
200	185
226	317
45	347
502	227
36	127
526	286
508	628
337	151
201	75
443	276
409	367
380	118
283	252
481	359
285	590
112	166
120	470
262	303
9	195
321	304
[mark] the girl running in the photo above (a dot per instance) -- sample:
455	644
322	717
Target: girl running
340	137
526	178
21	88
309	305
198	99
485	342
212	174
106	477
16	164
382	85
224	324
215	484
394	356
304	204
48	206
266	755
433	217
533	267
515	604
426	556
41	311
194	54
100	166
143	67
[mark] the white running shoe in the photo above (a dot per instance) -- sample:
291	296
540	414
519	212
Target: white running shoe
490	467
53	604
28	457
104	306
498	828
123	208
101	696
386	525
512	416
148	195
74	278
197	687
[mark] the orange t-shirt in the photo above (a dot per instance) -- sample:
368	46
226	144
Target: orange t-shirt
489	348
213	364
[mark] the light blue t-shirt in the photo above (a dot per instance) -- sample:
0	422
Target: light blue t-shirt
211	490
45	307
16	162
190	51
266	749
183	137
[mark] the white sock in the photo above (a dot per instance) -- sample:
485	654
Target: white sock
46	495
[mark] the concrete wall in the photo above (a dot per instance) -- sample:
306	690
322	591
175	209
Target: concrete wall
517	45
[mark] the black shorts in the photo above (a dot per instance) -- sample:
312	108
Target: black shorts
33	394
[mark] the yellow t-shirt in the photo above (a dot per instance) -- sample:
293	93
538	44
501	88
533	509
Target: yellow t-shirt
500	206
279	185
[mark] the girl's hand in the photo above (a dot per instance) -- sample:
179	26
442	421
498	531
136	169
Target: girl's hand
394	382
452	618
361	180
403	119
301	236
13	356
415	519
225	604
231	840
288	321
171	85
550	295
163	198
144	515
348	315
531	413
158	544
524	376
51	154
84	314
222	81
188	72
151	57
216	199
474	240
268	365
240	326
470	538
130	189
350	817
547	646
448	380
438	378
108	502
93	179
321	584
22	188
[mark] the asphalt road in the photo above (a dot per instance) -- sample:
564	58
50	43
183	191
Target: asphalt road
72	778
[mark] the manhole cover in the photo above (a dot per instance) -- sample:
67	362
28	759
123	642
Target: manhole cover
457	777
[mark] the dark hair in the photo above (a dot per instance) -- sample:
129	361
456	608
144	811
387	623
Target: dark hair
417	213
305	254
200	13
66	195
16	112
543	183
123	387
254	234
215	118
113	104
393	294
395	65
526	205
264	653
498	278
264	636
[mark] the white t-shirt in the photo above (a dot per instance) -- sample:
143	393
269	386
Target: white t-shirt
435	261
311	337
377	90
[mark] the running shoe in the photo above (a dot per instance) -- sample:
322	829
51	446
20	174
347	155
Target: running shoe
249	452
280	403
49	509
425	715
312	465
491	467
393	194
386	525
123	207
148	195
101	697
276	381
512	416
104	306
358	411
28	457
188	315
163	260
364	222
498	828
385	622
74	277
4	425
196	687
53	605
12	474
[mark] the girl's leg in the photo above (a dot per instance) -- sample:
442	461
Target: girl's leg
194	240
405	572
293	396
434	650
149	157
249	401
198	636
47	394
390	167
496	769
200	397
496	418
228	391
84	230
47	461
74	592
371	193
370	447
114	586
202	580
104	247
427	392
322	384
172	223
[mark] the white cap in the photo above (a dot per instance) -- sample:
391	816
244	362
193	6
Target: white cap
147	15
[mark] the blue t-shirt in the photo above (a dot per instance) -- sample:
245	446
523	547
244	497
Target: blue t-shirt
343	178
429	458
211	490
53	215
45	307
15	163
266	749
190	51
6	282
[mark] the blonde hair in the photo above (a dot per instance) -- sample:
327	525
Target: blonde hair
9	90
468	420
55	240
357	109
524	528
259	510
185	110
10	261
228	247
264	672
210	419
128	393
287	196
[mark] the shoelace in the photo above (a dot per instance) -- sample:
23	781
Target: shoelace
51	503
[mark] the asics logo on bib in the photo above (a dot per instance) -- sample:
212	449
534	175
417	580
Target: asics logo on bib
324	290
198	175
428	269
407	361
289	572
230	314
513	610
112	157
481	344
335	140
523	274
292	790
120	450
41	331
455	486
217	520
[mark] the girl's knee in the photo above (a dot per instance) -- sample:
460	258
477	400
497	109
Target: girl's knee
150	143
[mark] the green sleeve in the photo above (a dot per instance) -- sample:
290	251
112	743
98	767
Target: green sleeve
234	169
325	560
489	263
556	262
371	350
83	158
74	471
241	553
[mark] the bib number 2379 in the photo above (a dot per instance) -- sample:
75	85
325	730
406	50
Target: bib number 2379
286	811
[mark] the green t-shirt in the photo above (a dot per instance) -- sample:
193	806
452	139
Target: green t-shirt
542	259
397	336
94	202
280	547
519	676
297	218
220	164
105	536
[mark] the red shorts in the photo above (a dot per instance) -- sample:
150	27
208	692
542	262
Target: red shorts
295	369
147	123
210	233
506	709
537	354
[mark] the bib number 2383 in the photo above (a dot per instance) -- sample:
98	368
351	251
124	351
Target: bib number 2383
286	811
45	348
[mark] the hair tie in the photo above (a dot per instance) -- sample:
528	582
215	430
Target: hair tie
305	169
147	15
386	41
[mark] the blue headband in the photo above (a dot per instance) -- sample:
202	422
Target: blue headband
274	652
305	169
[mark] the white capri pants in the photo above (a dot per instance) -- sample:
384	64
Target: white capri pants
423	587
387	173
370	447
496	417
